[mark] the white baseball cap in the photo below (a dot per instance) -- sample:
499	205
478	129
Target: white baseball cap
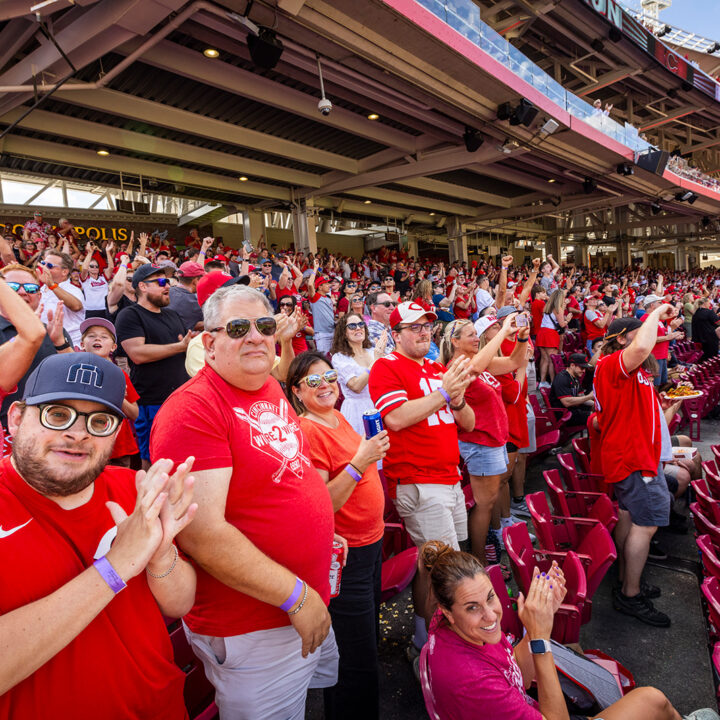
409	312
483	323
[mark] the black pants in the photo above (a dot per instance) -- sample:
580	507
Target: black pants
354	615
579	415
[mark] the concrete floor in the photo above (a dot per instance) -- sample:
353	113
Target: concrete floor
675	660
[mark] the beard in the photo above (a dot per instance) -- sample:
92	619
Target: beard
58	480
159	301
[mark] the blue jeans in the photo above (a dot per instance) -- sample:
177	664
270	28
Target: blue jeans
143	425
661	379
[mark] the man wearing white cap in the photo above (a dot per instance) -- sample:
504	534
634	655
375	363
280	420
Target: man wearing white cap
420	403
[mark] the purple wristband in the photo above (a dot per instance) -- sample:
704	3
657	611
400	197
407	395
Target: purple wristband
294	597
108	574
444	393
353	473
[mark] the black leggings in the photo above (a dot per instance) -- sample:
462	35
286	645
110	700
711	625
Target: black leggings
355	621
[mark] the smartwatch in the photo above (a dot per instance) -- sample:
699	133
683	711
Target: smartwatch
540	647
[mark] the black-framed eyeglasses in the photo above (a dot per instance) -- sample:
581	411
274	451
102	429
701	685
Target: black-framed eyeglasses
417	328
240	327
100	423
356	325
162	282
29	288
315	380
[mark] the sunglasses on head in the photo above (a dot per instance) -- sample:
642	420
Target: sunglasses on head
29	288
162	282
240	327
315	380
356	325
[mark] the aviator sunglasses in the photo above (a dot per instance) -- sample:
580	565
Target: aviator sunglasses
240	327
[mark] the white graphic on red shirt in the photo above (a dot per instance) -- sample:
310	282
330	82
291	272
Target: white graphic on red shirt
105	543
275	434
513	674
7	533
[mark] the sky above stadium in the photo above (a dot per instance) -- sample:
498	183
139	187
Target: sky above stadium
698	16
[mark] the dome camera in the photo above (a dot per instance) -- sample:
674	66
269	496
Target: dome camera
325	106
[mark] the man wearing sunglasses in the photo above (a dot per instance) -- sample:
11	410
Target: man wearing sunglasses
422	405
88	564
54	271
263	533
23	282
155	340
381	306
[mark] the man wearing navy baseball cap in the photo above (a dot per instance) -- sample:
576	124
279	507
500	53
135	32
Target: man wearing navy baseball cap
87	555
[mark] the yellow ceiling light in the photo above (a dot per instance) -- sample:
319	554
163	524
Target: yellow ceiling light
367	202
103	152
432	214
243	178
552	180
373	116
211	53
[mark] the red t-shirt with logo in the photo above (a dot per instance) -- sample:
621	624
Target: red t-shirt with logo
426	452
628	415
120	667
661	351
276	498
484	395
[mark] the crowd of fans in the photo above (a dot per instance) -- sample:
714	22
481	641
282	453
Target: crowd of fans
234	382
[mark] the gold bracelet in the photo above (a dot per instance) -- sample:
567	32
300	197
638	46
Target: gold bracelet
172	567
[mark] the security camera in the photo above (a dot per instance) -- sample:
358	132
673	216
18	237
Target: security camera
325	106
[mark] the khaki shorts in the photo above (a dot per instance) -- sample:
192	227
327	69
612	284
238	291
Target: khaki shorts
433	512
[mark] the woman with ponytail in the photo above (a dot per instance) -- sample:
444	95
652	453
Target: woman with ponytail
470	671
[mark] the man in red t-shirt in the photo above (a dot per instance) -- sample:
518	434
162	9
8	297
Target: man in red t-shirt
420	403
262	538
87	561
666	333
632	440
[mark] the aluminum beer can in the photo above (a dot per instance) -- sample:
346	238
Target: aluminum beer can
373	423
336	561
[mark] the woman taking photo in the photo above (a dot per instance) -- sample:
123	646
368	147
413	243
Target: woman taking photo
352	356
548	338
348	464
469	670
483	449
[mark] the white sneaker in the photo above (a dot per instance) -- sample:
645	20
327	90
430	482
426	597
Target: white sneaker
544	384
703	714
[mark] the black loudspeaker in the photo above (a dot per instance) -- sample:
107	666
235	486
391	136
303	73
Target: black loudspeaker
525	113
265	48
597	45
504	111
686	86
615	34
654	161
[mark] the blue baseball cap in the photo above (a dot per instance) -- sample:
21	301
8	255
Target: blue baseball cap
76	376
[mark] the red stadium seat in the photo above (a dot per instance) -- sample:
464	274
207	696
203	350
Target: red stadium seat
711	592
597	506
398	572
577	480
524	558
705	525
709	506
709	554
510	620
581	446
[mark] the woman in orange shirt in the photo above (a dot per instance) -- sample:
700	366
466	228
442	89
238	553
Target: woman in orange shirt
348	464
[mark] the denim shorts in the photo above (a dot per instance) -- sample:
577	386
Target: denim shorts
484	460
646	499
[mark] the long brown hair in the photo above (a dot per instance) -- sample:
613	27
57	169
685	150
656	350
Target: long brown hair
340	343
448	568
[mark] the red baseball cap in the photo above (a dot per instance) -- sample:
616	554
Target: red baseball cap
191	269
211	282
409	312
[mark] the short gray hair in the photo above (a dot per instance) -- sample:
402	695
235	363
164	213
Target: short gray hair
215	304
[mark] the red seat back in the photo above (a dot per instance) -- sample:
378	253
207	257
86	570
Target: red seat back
397	573
709	554
712	476
510	620
711	591
557	494
709	506
705	525
599	545
199	692
548	537
581	446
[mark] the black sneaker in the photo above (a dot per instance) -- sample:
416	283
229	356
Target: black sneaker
641	608
646	589
656	551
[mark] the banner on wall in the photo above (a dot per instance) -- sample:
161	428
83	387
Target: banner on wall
107	230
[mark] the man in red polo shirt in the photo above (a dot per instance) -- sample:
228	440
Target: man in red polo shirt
421	402
632	438
87	560
262	538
